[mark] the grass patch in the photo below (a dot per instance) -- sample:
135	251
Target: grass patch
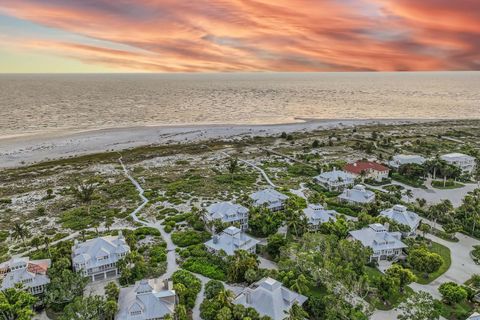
457	311
416	183
450	184
444	252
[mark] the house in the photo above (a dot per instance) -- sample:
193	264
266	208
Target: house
474	316
231	240
269	298
369	170
358	195
401	215
146	300
335	180
384	244
270	198
229	213
316	215
401	159
97	258
460	160
32	274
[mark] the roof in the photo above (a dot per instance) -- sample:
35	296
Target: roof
147	298
317	214
359	166
269	298
378	238
268	196
226	210
401	215
335	176
99	251
30	273
231	240
456	156
358	194
474	316
400	159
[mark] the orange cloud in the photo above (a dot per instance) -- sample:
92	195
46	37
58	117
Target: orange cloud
260	35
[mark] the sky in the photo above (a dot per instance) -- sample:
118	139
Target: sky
238	35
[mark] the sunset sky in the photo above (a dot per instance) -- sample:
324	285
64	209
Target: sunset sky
238	35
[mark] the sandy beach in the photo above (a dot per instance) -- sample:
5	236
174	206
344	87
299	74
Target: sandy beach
25	150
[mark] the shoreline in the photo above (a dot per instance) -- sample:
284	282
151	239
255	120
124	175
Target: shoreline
27	150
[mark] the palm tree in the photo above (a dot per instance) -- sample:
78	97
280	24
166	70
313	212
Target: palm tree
46	242
20	232
300	284
225	297
83	233
296	312
232	165
36	241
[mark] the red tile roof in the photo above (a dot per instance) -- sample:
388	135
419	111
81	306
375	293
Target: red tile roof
359	166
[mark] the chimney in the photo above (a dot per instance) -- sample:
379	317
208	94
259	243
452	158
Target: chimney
387	226
215	239
248	296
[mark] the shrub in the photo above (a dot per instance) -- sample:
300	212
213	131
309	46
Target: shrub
452	293
191	287
204	267
423	260
189	237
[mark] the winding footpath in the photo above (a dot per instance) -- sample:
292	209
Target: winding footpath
172	264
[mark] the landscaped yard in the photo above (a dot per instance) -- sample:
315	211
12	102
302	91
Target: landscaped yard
416	183
444	252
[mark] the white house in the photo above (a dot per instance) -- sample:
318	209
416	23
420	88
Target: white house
228	212
335	180
269	298
401	159
316	215
369	169
231	240
463	161
146	300
384	244
401	215
32	274
270	198
97	258
474	316
358	195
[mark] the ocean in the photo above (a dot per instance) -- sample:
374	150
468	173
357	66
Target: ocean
41	103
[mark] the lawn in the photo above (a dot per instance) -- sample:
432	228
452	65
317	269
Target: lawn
444	252
450	184
416	183
457	311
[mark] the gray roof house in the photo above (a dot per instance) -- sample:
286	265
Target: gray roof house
97	258
316	215
401	159
146	300
32	274
463	161
335	180
384	244
269	298
231	240
357	195
271	198
401	215
228	212
474	316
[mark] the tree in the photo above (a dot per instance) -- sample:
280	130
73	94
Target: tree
425	228
19	231
225	297
403	275
386	285
439	211
296	312
452	293
212	288
315	144
16	304
232	165
301	284
239	263
423	260
274	243
91	307
65	285
36	241
224	314
112	291
419	306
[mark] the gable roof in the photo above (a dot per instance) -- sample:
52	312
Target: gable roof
145	297
267	196
401	215
90	251
358	194
317	214
269	298
221	210
361	165
378	238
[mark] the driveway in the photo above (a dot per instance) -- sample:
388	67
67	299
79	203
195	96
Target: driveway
462	267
